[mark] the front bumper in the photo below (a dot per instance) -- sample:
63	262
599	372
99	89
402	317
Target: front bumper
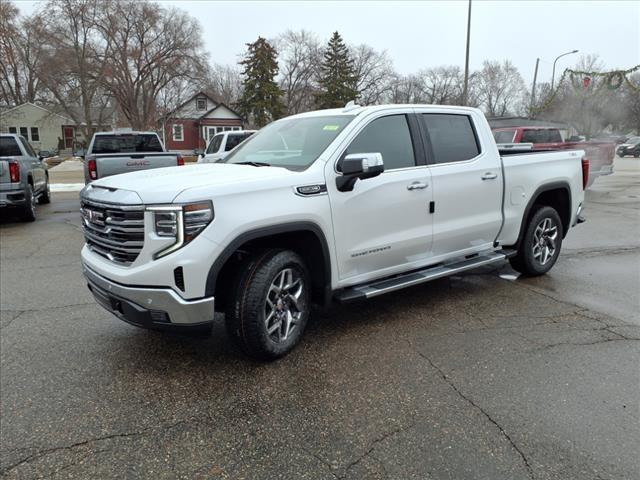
146	306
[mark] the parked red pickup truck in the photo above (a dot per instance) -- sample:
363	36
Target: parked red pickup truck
600	154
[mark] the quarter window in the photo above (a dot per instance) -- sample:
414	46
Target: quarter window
389	136
452	137
178	133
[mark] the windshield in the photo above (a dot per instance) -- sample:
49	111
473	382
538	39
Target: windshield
291	143
126	144
633	140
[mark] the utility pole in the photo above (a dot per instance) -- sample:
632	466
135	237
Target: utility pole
533	88
465	92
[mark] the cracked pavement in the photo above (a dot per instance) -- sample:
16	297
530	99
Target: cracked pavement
483	375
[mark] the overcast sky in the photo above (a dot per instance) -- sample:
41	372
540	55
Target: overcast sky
430	33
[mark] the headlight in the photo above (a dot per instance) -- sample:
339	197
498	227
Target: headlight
181	222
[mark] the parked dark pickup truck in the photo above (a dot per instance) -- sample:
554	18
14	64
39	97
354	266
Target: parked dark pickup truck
24	179
111	153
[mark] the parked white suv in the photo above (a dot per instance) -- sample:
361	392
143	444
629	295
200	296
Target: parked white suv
222	143
333	205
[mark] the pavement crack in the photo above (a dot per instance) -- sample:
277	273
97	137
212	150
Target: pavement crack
320	459
373	446
444	377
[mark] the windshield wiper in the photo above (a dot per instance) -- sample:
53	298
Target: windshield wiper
254	164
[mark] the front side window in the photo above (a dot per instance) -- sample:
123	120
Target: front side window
178	134
389	136
215	143
35	134
504	136
126	144
293	143
452	137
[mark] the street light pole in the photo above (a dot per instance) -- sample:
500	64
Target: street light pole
553	72
465	91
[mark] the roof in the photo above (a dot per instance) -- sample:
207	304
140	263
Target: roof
221	105
10	109
197	94
359	110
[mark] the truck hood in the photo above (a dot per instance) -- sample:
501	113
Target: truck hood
163	185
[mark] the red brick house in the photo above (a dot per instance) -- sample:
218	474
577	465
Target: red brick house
190	126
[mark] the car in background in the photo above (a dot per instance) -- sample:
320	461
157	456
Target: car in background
112	153
599	153
222	143
24	178
630	147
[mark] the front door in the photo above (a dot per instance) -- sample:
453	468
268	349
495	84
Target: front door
69	135
384	223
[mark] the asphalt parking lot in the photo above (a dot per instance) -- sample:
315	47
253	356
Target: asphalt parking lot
480	376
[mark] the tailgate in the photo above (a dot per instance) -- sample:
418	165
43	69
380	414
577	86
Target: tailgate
117	163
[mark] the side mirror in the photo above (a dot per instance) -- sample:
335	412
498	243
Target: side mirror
358	166
42	154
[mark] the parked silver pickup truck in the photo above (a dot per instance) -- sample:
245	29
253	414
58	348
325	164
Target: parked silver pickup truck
24	179
111	153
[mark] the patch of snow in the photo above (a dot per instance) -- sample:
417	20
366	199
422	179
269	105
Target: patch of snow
66	187
68	166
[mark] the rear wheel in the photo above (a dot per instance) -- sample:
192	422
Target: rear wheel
540	246
29	208
268	312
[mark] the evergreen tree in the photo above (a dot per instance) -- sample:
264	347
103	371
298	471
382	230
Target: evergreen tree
337	75
261	95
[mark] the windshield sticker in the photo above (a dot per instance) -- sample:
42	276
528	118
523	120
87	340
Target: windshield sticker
331	128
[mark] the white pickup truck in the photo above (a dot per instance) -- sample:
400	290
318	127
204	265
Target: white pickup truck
333	205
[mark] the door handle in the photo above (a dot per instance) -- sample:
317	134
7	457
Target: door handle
417	186
489	176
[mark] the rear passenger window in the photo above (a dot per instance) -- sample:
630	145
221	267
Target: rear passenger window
452	137
389	136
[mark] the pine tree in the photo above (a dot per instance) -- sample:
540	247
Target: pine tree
261	95
337	75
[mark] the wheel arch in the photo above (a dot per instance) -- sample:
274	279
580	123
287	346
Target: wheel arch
305	238
556	195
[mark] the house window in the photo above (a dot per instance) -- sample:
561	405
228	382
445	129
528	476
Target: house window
13	130
201	103
24	131
178	133
35	134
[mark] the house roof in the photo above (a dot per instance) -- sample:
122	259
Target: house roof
10	109
197	94
225	106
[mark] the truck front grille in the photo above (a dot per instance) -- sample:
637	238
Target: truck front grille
114	231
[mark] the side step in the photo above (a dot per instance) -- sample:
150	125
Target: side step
380	287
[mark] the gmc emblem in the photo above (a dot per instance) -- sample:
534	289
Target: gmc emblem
138	163
93	216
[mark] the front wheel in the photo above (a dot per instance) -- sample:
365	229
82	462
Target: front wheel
540	246
270	306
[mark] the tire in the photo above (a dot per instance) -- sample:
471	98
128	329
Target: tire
636	155
45	197
29	208
541	243
269	308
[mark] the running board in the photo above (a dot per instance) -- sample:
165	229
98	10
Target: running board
380	287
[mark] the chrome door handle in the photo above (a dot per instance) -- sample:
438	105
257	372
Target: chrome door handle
417	186
489	176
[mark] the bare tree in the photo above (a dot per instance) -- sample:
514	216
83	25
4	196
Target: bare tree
148	47
374	73
405	89
300	56
73	62
223	83
499	88
442	85
20	55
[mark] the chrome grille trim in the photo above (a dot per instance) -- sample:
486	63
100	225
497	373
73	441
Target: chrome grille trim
114	231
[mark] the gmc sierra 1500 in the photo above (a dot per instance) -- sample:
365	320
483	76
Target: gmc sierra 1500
333	205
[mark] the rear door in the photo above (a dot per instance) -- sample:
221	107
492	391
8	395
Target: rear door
467	183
